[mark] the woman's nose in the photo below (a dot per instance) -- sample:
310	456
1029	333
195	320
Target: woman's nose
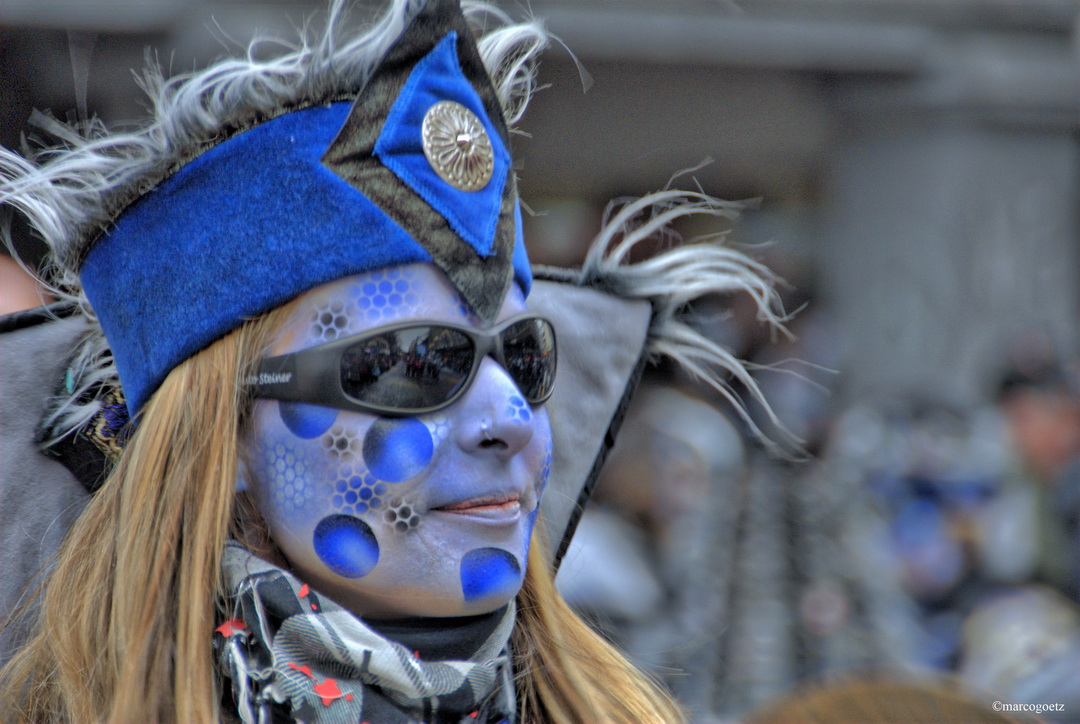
496	418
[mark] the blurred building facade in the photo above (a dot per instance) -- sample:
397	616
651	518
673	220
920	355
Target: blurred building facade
920	154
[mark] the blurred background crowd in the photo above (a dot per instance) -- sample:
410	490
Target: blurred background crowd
910	168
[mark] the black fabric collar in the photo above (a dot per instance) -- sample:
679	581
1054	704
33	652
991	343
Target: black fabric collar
441	638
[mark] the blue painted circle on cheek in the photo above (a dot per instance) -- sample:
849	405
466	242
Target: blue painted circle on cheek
489	572
396	450
346	545
306	421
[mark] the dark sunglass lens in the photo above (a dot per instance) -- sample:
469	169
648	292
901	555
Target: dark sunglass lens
529	352
407	369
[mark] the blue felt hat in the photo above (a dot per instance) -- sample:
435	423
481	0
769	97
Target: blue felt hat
416	168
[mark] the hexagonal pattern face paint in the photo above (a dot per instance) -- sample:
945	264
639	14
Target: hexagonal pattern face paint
342	442
288	468
402	515
356	491
425	516
519	409
332	319
384	295
545	470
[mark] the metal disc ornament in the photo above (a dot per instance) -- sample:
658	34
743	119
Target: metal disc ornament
457	146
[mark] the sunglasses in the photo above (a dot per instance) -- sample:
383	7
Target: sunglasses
410	368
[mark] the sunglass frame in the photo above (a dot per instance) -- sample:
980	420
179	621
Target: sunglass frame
313	375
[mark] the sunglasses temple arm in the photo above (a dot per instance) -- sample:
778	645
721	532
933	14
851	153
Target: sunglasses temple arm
276	378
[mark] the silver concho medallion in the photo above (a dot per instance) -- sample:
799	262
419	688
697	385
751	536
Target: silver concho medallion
457	146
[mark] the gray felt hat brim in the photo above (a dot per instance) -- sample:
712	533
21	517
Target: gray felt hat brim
39	497
601	354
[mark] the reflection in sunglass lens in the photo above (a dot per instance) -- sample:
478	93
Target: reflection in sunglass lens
528	350
411	368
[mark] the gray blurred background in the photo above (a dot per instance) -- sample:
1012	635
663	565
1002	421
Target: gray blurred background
914	169
919	158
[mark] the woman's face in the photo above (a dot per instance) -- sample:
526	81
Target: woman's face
393	517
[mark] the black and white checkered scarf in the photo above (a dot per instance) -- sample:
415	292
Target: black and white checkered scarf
293	655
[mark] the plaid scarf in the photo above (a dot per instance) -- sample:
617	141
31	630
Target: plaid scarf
293	655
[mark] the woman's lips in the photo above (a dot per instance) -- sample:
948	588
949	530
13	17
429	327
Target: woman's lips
502	508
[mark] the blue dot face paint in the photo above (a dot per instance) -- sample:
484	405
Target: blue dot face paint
347	545
397	449
400	516
306	421
490	573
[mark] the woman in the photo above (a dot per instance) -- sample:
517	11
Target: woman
306	282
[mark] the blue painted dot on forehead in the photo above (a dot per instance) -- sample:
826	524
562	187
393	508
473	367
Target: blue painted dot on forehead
346	545
397	449
489	572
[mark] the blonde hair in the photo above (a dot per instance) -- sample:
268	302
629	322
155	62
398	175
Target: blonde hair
124	629
127	612
567	672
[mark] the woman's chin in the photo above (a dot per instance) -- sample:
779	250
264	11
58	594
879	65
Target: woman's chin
423	605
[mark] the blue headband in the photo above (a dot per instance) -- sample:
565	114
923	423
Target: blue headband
299	201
